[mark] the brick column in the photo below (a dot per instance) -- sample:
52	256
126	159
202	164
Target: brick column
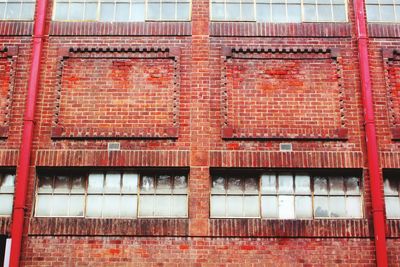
199	120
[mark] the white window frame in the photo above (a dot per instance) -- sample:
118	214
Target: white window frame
18	17
9	193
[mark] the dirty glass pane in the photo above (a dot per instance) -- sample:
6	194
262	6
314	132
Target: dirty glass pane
336	185
94	204
303	207
147	185
61	184
45	184
390	187
179	206
251	185
128	206
7	185
251	206
111	205
217	206
352	186
269	206
285	183
146	205
112	183
78	184
59	205
392	207
43	204
337	207
164	184
106	11
302	184
95	183
122	12
6	205
27	11
353	207
235	185
163	206
76	11
76	205
13	10
320	186
91	11
180	184
138	12
233	11
218	11
286	207
321	207
218	185
129	182
234	206
268	183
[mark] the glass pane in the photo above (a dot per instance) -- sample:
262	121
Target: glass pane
146	205
45	184
76	205
336	185
78	184
122	12
268	183
147	185
163	206
217	206
7	185
320	186
6	205
321	208
168	11
387	13
397	10
130	182
278	13
96	183
303	207
91	11
180	184
164	184
251	206
94	204
251	185
111	206
113	182
339	13
262	12
234	206
43	205
218	185
61	12
294	13
248	12
392	207
27	11
137	12
153	11
269	206
310	13
353	207
390	187
286	207
12	11
352	186
106	12
235	185
324	13
59	205
61	184
183	11
76	11
218	12
2	10
285	182
373	13
302	184
128	206
337	207
233	11
179	206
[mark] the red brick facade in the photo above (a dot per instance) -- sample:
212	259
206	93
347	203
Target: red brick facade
200	96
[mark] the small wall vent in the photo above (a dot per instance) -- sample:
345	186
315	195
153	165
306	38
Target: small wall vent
114	146
285	147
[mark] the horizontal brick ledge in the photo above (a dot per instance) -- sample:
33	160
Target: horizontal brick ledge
393	228
380	30
9	157
16	28
5	223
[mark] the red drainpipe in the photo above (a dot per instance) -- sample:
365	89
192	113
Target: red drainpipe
370	132
27	136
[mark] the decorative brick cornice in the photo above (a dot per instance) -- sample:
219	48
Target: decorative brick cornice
16	28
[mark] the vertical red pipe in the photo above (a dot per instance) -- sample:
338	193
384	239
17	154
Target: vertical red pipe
370	132
27	136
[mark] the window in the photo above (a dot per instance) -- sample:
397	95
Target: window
17	10
286	196
122	10
383	10
6	193
279	11
112	195
392	197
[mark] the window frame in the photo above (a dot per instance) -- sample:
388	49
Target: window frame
379	5
2	175
3	17
395	175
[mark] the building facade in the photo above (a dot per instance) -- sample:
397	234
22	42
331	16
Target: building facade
198	133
